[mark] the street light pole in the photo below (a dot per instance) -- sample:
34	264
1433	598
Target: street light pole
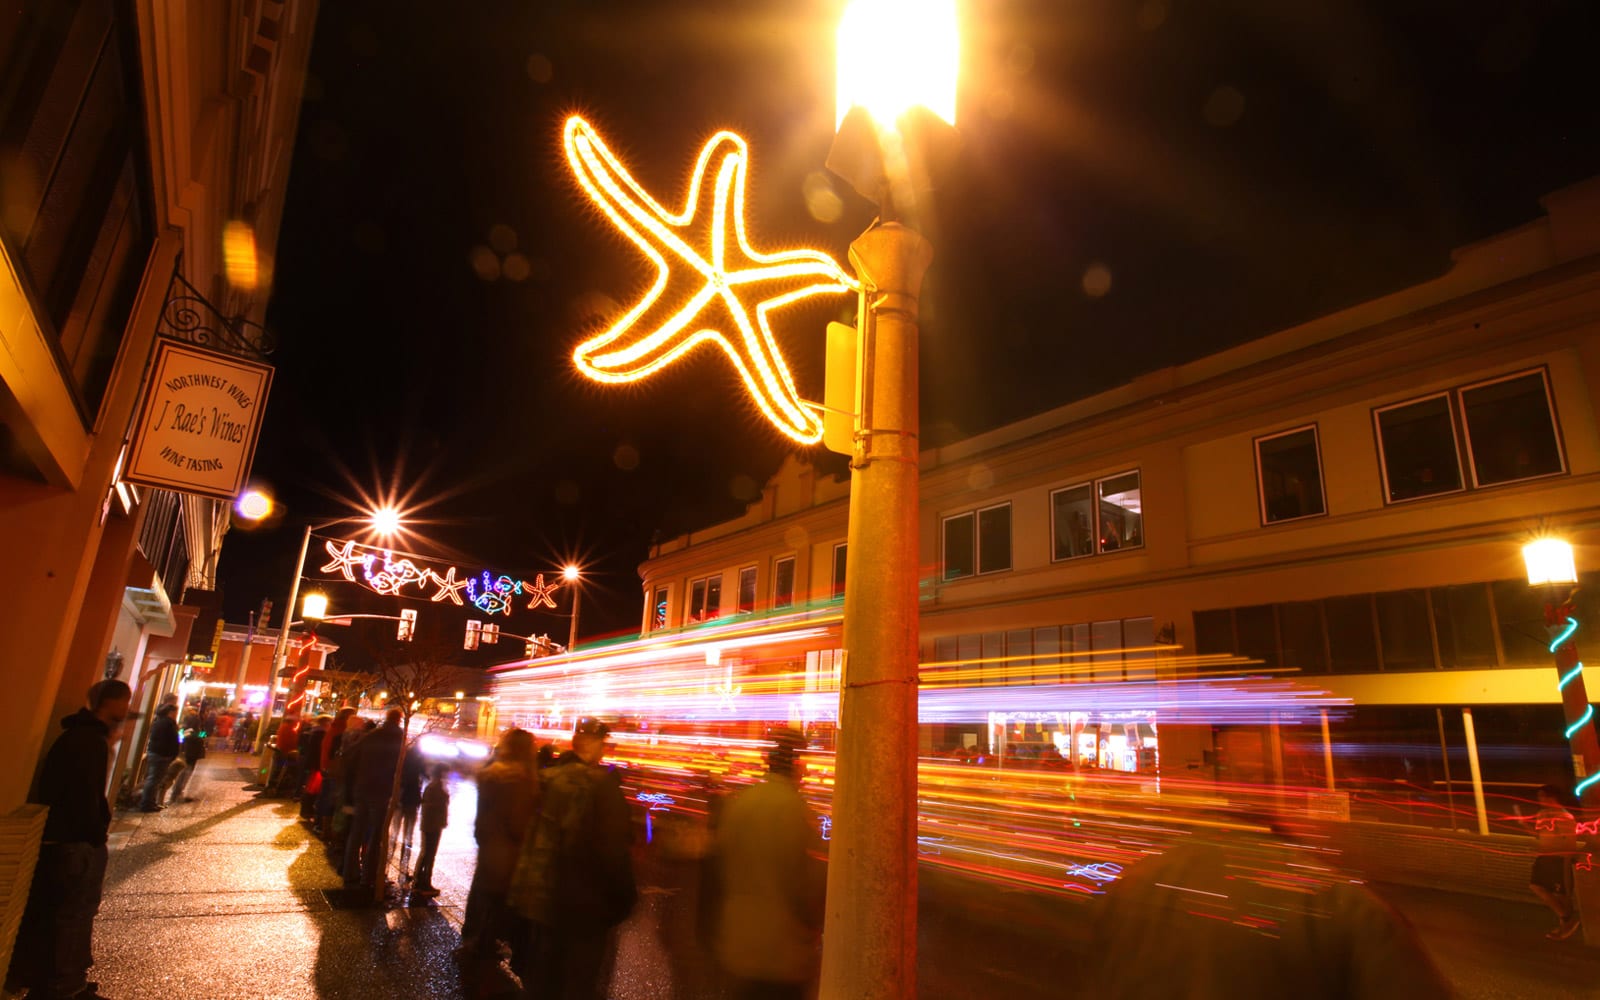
571	575
280	653
1551	566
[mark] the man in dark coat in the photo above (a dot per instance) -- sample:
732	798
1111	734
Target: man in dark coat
369	769
159	752
574	880
53	952
311	762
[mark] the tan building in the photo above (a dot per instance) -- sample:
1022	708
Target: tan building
1344	500
130	135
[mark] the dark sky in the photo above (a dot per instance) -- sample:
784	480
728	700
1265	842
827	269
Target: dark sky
1141	183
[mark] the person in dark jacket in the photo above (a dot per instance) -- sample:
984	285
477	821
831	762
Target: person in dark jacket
405	818
311	762
53	952
508	799
194	751
368	783
159	751
574	880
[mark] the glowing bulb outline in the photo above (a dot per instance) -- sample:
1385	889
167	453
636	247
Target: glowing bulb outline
612	357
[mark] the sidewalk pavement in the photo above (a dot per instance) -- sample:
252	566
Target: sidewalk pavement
222	897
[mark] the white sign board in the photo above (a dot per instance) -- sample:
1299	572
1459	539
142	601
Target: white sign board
197	424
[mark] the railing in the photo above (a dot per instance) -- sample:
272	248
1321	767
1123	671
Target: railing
189	316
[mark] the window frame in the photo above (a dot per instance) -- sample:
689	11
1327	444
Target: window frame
704	584
836	580
1094	500
664	592
1448	395
1459	393
975	515
755	593
1261	481
778	561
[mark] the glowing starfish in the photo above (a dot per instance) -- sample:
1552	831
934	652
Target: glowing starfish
449	586
540	592
345	560
703	263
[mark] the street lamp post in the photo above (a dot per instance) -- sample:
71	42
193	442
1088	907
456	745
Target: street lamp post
571	575
280	654
869	934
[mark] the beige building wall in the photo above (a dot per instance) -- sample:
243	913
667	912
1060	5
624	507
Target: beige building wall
1527	300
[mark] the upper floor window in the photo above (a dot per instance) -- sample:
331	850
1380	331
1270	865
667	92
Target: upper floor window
747	589
783	582
658	609
1096	517
705	598
1511	429
1510	433
1417	445
977	542
1289	473
837	589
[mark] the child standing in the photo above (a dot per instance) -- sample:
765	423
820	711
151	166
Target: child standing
435	816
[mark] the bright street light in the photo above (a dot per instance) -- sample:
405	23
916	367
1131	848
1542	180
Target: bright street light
253	505
919	69
315	607
1549	561
386	522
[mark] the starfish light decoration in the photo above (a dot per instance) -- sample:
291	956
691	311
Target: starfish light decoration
540	592
710	285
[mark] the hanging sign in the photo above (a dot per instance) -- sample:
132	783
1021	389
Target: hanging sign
711	285
197	424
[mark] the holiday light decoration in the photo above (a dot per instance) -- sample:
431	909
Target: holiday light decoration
539	592
392	575
710	285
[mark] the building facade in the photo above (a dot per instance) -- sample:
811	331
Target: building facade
1343	503
132	133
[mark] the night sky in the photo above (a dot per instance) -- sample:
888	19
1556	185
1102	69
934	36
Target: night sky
1141	183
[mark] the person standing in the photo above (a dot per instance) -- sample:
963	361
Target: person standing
54	950
311	764
508	797
369	783
574	880
332	770
768	883
435	817
1555	833
405	818
159	752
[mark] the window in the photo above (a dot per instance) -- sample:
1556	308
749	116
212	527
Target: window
978	541
747	589
783	582
705	598
1511	429
658	609
836	590
1403	630
1417	445
1463	626
1289	472
1097	517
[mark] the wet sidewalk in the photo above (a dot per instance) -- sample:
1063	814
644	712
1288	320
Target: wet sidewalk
223	897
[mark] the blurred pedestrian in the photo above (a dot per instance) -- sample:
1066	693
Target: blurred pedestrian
1555	834
508	798
767	882
285	776
192	751
369	770
412	767
160	750
1249	914
330	798
574	879
53	952
311	764
435	810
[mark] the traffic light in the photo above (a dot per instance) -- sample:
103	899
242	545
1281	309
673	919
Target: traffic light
474	631
491	633
530	649
408	625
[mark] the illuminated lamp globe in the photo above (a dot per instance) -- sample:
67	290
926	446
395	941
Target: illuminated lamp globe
314	608
920	68
253	505
385	521
1549	562
570	573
